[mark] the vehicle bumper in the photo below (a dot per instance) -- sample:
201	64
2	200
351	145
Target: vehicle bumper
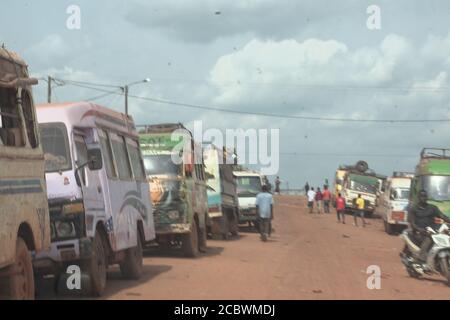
63	252
174	228
247	215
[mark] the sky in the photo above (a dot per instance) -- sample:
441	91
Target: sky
292	58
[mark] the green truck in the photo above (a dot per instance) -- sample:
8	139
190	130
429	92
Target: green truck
433	175
177	186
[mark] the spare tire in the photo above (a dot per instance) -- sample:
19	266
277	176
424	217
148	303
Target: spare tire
362	166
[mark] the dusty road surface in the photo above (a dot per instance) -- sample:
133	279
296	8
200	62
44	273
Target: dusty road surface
310	256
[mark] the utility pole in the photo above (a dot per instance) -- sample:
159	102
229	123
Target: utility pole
49	89
125	91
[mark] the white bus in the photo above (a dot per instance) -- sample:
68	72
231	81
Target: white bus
100	209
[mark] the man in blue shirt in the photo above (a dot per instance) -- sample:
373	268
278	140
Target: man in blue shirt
264	208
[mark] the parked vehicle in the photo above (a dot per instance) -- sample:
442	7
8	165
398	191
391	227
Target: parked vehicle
438	258
433	174
222	197
178	188
249	184
359	179
100	210
393	203
24	217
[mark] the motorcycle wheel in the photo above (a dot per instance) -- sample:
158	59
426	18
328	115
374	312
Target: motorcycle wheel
445	270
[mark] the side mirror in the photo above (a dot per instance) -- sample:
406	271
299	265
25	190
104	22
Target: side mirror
94	159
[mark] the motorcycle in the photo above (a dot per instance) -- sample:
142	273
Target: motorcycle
438	257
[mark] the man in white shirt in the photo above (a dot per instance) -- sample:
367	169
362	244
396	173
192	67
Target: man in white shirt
311	197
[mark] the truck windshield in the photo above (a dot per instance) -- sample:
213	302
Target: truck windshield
400	194
56	147
161	164
248	186
437	187
363	183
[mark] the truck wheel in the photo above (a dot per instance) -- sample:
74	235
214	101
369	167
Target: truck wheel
389	228
132	266
190	242
20	285
96	266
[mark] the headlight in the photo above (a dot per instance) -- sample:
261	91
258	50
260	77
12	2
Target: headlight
173	214
65	229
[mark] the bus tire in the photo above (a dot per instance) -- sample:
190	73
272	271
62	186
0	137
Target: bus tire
96	266
19	285
132	266
190	242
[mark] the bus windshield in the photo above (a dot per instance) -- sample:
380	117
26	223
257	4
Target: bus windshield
248	186
56	147
437	187
161	164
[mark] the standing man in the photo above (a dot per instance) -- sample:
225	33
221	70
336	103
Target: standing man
319	200
311	197
306	188
277	185
264	209
340	208
360	206
326	199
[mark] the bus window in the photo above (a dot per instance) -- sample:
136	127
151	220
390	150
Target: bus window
82	158
107	154
10	122
121	156
27	107
135	157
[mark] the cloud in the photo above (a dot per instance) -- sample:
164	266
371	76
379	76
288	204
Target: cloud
206	20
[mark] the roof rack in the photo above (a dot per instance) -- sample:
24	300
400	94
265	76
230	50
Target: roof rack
439	153
402	174
160	128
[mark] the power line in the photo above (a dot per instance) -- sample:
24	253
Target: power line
264	114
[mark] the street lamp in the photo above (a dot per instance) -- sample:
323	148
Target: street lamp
126	88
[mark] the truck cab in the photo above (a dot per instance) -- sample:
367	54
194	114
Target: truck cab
393	203
249	184
24	214
433	175
174	167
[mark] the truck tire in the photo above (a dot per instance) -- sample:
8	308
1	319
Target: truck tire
190	242
20	285
234	224
389	228
132	266
96	266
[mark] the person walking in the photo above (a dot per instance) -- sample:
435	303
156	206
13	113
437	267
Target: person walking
277	185
360	206
340	208
326	199
319	200
311	197
306	188
264	209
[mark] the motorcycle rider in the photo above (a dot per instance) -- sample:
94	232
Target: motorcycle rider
421	216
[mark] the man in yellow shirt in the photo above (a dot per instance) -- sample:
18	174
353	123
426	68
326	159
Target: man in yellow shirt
360	205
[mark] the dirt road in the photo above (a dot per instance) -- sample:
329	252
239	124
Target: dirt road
310	256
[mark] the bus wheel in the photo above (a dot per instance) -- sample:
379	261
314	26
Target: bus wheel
96	266
19	285
190	242
132	266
